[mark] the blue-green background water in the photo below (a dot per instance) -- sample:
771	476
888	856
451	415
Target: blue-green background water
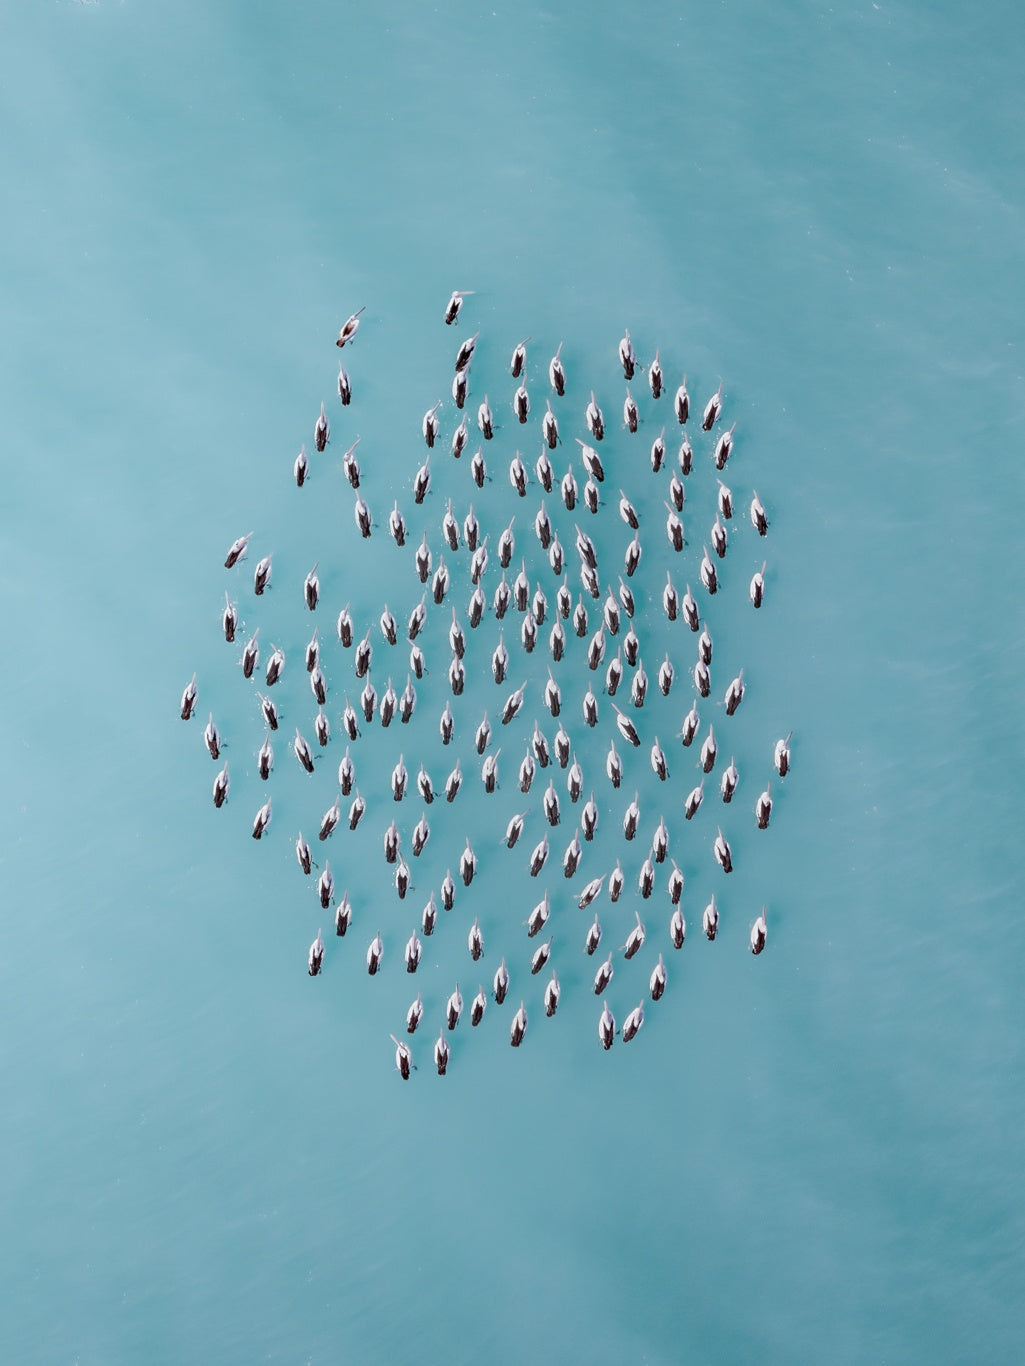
812	1156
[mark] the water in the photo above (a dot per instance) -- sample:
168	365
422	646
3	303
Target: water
810	1155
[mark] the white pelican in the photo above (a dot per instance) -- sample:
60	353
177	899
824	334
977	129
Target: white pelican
349	328
237	550
606	1027
556	374
501	982
681	403
519	357
763	808
430	425
757	586
781	755
222	785
465	353
316	958
262	819
633	1022
713	410
552	993
518	1027
758	932
441	1054
321	430
657	980
710	920
734	694
485	421
454	304
261	575
477	1007
721	850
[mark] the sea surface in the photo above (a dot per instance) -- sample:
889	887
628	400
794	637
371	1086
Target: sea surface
810	1156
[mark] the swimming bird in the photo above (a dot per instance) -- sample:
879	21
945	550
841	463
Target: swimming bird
467	864
757	587
556	373
658	451
616	881
657	980
589	818
261	576
606	1027
635	939
627	356
441	1055
361	513
345	627
763	808
344	387
593	936
721	850
350	720
728	782
446	725
430	916
717	536
540	957
659	765
475	940
627	729
713	410
392	843
514	829
594	419
639	686
431	426
454	1008
265	759
465	353
734	694
552	993
311	588
343	916
759	930
349	328
237	549
374	954
571	857
630	416
318	685
422	482
222	785
710	920
758	519
518	475
633	1022
694	800
301	468
485	421
677	928
399	778
459	438
549	426
569	491
229	619
725	502
518	1027
708	575
702	678
723	447
303	752
478	468
666	673
316	958
500	982
681	403
527	769
538	917
646	878
275	665
454	304
350	465
614	766
781	755
690	725
262	820
211	737
519	358
415	1012
709	750
321	430
356	810
603	976
489	771
544	472
677	492
421	834
627	512
477	1007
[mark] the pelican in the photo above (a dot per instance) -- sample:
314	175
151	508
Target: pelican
540	957
763	808
475	940
540	605
453	783
521	589
713	410
646	878
312	655
311	588
350	465
349	328
564	600
499	660
734	694
222	784
503	596
628	513
666	674
655	377
590	710
446	724
551	805
430	425
549	423
627	729
685	455
632	558
361	512
569	489
538	917
392	841
758	518
349	720
561	744
603	976
415	1012
721	849
211	738
485	421
571	857
373	955
454	1008
467	864
275	665
465	353
757	587
723	447
658	451
326	886
555	555
708	575
596	649
343	916
519	357
610	613
513	703
477	1007
606	1027
539	857
356	810
302	750
595	421
345	627
421	834
614	766
709	750
781	755
430	916
616	881
500	982
630	412
265	759
544	471
728	782
556	374
593	936
261	575
441	1055
518	1027
657	981
262	819
478	468
690	725
489	771
580	619
483	736
321	430
627	357
527	770
639	686
633	1022
229	619
439	584
635	939
677	492
710	920
540	746
407	702
459	438
518	475
399	778
316	959
690	610
694	800
677	928
702	678
344	387
455	303
725	502
717	536
301	468
450	528
479	563
589	818
237	550
471	530
422	482
758	933
318	685
659	765
514	829
681	403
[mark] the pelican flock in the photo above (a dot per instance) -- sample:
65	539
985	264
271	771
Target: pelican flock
528	615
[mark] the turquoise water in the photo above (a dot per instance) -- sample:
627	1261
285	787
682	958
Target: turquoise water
809	1156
